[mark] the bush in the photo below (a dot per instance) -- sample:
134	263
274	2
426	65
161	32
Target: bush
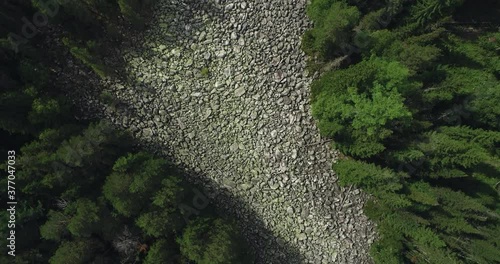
205	71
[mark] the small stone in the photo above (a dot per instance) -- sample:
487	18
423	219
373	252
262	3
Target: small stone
294	154
233	147
229	7
234	36
208	113
245	186
220	54
207	55
289	210
202	36
274	133
243	5
241	42
274	186
304	213
239	92
196	94
176	53
278	76
301	237
147	132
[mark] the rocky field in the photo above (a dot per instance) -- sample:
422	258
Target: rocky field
221	88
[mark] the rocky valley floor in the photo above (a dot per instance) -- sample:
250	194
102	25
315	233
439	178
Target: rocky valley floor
220	87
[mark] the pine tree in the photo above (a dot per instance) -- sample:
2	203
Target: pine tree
78	251
212	241
134	178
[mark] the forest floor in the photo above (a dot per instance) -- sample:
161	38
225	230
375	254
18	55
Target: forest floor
220	87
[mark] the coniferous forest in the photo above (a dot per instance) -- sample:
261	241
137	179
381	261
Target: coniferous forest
407	91
410	93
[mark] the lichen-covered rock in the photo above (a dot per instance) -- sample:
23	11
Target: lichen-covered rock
245	128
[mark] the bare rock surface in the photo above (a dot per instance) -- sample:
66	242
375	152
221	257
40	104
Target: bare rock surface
220	87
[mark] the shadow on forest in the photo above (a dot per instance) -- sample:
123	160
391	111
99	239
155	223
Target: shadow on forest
182	34
175	32
247	220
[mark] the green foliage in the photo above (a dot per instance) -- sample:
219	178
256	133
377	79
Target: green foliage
65	215
334	22
68	157
425	11
160	252
129	10
84	55
170	194
48	111
33	73
367	176
361	118
79	251
372	20
212	241
55	227
157	223
418	108
135	177
205	72
15	107
86	219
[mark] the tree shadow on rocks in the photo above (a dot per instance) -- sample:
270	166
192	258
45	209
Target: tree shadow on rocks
265	246
174	28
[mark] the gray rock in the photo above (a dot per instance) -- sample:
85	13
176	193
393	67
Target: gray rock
294	154
246	186
274	186
234	147
220	54
229	7
202	36
239	92
241	42
176	53
147	132
207	55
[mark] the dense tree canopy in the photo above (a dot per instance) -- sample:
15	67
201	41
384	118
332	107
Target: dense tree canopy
414	107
